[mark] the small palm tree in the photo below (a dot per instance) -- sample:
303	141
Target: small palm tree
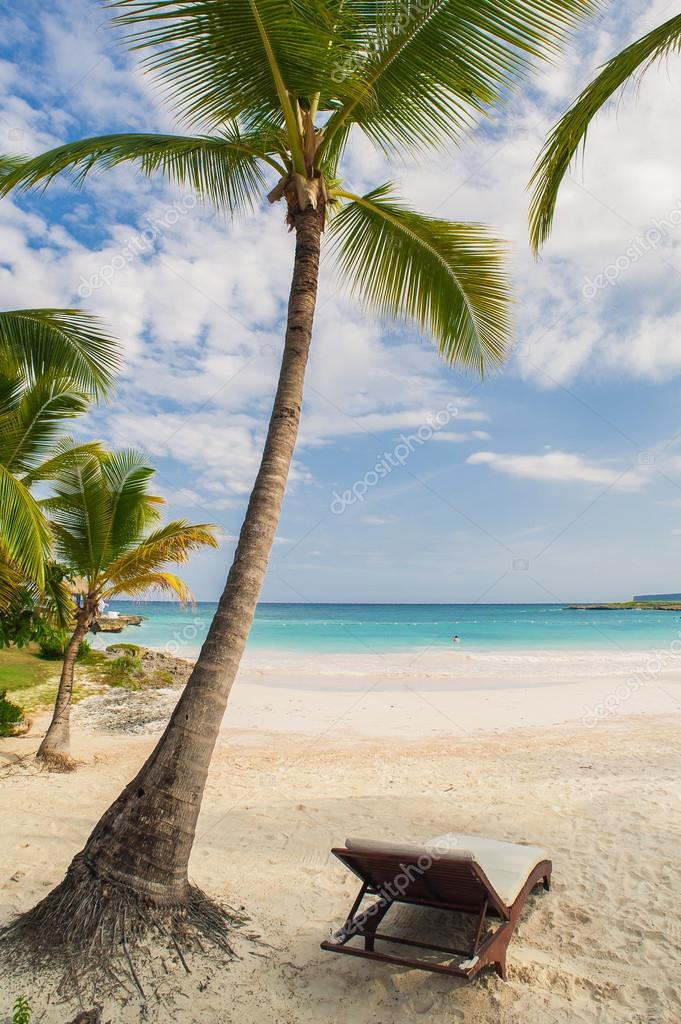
569	134
53	363
101	516
274	89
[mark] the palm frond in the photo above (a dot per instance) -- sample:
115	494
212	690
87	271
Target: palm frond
30	431
239	61
11	583
10	164
225	169
67	342
569	134
446	277
78	513
56	601
99	508
65	453
139	586
24	534
173	542
430	68
126	475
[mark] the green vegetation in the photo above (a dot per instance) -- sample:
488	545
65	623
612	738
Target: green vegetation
21	1013
660	606
123	648
569	135
127	670
53	645
10	715
28	679
53	364
106	528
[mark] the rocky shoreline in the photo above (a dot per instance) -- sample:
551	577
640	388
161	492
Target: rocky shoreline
144	708
171	671
117	624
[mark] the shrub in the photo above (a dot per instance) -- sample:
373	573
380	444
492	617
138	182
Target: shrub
124	671
54	643
21	1014
84	649
10	715
132	649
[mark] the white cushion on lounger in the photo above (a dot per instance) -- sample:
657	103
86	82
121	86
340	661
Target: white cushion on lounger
506	865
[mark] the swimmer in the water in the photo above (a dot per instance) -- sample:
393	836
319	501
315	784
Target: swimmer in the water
456	639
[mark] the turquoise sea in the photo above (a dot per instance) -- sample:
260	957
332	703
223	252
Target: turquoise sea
363	628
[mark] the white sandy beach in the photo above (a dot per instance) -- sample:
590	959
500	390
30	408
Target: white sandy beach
313	750
421	694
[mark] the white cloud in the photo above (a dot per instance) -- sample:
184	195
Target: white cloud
453	437
559	467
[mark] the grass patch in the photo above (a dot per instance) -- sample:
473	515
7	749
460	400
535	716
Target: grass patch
133	649
30	681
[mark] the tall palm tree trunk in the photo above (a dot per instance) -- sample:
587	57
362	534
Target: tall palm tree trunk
55	749
144	840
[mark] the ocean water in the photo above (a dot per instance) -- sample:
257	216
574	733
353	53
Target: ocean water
366	628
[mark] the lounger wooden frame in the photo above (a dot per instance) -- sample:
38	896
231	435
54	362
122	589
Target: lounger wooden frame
446	884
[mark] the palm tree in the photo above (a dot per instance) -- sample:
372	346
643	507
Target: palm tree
100	514
277	87
569	134
53	363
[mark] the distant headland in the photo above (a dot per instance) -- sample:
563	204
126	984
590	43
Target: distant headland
645	602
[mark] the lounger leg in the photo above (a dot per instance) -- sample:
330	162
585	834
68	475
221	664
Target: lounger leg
547	882
373	921
500	967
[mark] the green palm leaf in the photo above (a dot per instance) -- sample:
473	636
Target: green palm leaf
24	533
11	583
9	164
100	514
68	342
31	429
78	513
173	542
428	69
126	475
569	134
446	277
65	453
242	60
140	585
225	169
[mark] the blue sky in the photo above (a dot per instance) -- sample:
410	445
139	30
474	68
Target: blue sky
559	479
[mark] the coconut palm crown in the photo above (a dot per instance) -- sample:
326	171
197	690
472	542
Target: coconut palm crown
279	85
106	527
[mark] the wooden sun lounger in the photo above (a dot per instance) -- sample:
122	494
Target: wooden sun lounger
481	877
